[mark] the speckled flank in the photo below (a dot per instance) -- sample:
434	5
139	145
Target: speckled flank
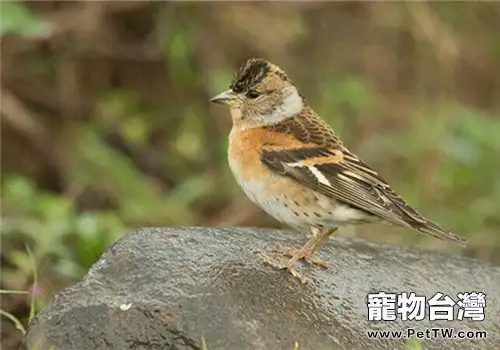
293	204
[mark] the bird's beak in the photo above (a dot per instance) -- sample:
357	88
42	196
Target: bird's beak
224	98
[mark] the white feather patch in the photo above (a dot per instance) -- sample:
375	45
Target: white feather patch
344	213
292	104
318	174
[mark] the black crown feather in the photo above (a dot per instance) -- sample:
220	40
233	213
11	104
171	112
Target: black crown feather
250	73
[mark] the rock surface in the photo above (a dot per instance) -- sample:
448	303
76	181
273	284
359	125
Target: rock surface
169	288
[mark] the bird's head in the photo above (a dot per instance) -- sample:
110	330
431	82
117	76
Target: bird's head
260	94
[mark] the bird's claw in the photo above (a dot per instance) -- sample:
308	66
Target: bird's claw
284	265
292	252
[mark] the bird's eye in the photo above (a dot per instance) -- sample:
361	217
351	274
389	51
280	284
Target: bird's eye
253	94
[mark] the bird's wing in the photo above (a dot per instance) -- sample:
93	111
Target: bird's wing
326	166
336	174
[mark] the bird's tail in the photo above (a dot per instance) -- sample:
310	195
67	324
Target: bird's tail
439	232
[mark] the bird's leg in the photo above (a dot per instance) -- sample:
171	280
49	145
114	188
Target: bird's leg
306	252
309	249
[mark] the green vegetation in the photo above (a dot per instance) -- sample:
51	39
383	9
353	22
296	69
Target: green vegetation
106	124
413	344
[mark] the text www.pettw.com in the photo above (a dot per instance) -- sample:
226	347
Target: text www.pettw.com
428	333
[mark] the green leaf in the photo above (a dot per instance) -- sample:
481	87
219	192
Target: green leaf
16	18
413	344
15	320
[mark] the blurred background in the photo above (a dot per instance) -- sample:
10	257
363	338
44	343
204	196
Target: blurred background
106	125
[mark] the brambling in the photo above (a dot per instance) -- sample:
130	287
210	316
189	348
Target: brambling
293	165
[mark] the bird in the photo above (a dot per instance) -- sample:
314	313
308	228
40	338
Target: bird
291	163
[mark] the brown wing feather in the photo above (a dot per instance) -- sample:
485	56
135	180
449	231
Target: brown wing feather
308	128
348	179
343	185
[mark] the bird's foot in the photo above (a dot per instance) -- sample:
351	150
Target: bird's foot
300	254
284	265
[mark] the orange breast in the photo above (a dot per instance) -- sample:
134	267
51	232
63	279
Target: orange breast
280	196
245	148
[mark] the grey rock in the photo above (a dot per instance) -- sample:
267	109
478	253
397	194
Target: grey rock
168	288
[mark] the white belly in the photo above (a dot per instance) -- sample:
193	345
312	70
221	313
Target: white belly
299	209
